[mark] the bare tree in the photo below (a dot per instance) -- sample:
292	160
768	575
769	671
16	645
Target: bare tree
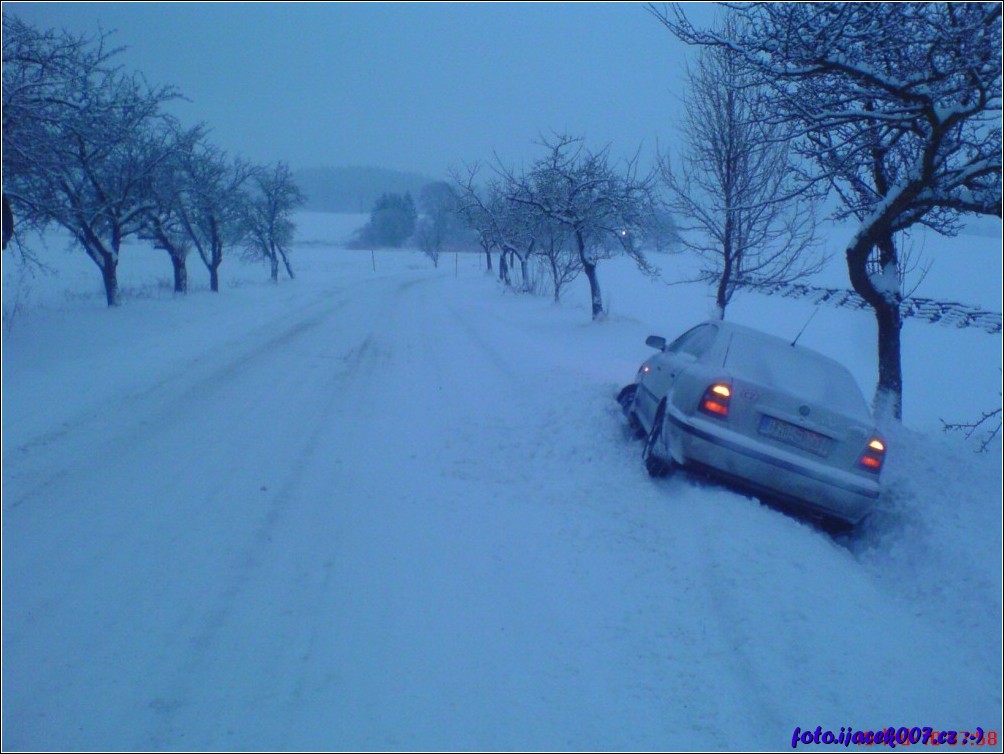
441	225
164	224
734	186
211	206
557	252
268	219
899	107
479	224
38	68
474	203
84	140
603	209
517	233
499	222
101	161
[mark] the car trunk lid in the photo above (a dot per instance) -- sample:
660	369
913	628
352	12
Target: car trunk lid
797	400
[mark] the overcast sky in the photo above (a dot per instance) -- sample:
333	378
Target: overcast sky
411	86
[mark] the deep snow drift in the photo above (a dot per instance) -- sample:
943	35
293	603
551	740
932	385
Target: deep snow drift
398	509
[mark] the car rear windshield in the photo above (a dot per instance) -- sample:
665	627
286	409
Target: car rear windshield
803	373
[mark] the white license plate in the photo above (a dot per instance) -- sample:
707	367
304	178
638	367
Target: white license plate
796	436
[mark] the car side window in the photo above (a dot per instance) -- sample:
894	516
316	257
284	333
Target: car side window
695	341
677	344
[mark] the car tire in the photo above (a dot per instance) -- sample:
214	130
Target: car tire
656	467
626	396
626	399
636	429
837	527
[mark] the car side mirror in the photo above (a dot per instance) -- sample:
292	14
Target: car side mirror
656	341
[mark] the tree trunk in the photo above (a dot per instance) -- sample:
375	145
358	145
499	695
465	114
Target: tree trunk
216	254
287	265
721	301
523	273
885	304
109	275
594	282
488	258
105	259
503	269
722	294
180	274
273	261
594	289
889	392
8	225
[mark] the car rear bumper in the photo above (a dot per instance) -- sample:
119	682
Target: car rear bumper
842	494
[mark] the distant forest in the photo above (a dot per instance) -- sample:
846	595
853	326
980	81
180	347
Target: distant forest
354	189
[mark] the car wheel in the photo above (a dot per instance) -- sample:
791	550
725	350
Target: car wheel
837	527
656	467
636	429
626	396
626	399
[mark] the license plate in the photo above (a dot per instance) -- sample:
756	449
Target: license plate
796	436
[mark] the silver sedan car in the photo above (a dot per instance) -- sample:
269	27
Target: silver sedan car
774	417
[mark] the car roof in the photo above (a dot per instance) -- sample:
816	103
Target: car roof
767	338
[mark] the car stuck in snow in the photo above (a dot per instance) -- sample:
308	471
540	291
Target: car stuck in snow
771	416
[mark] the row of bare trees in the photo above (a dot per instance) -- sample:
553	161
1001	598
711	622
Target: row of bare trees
728	192
90	148
569	211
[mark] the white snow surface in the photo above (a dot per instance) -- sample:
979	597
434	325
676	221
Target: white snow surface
399	509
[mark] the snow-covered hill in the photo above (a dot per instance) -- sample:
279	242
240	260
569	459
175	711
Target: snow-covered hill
396	508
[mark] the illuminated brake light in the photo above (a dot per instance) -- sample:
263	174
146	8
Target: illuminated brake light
873	455
715	408
715	401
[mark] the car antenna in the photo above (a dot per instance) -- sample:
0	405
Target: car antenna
805	326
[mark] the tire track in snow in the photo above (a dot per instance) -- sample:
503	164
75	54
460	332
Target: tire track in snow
168	397
284	557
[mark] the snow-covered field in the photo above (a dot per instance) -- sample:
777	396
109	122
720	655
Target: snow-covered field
396	508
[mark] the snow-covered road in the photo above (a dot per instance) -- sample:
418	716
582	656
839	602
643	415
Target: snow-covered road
401	512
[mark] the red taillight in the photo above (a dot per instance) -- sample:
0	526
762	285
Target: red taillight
873	455
715	401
